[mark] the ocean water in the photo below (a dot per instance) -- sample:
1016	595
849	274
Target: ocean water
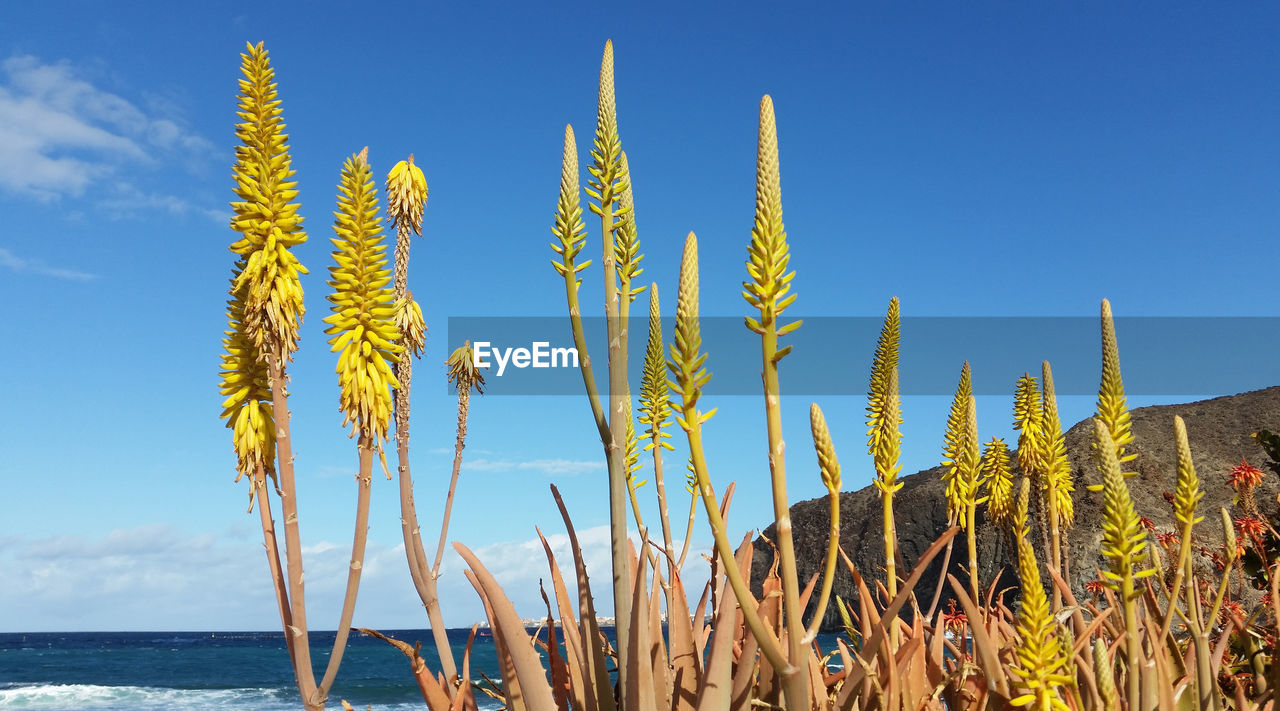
246	671
176	671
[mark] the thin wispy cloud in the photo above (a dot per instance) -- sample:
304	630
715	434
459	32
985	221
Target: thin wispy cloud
15	263
60	135
550	467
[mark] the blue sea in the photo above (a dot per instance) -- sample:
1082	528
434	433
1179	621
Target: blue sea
247	671
172	671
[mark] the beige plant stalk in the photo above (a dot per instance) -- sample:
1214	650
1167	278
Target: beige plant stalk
769	291
266	313
407	193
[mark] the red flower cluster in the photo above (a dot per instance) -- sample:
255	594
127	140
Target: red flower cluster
1167	540
1248	526
1245	476
1147	523
1095	587
952	619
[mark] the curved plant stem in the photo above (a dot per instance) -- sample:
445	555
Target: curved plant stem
272	547
828	569
688	531
358	541
297	628
770	646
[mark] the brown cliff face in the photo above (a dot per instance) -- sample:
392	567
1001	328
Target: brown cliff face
1218	431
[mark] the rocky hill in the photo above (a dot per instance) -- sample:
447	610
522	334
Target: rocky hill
1218	431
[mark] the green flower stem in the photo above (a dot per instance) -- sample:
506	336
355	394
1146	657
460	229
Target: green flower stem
828	568
770	646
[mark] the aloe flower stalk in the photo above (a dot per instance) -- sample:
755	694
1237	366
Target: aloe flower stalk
885	440
607	185
362	330
1187	496
407	194
655	413
969	477
687	365
1125	548
1113	409
769	291
268	309
999	478
1040	655
953	444
1028	418
1059	486
829	468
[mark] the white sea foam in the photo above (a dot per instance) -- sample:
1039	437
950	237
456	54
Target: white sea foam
74	697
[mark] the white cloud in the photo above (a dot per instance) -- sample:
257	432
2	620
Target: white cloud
161	578
551	467
13	262
60	135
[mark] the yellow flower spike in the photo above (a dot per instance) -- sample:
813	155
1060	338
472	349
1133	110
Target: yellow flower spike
969	465
954	442
768	254
655	398
406	195
1054	448
626	248
1188	493
1113	409
999	478
247	392
1123	535
1027	414
363	323
1040	656
463	372
631	452
410	324
889	441
266	215
568	228
687	362
608	177
883	363
828	465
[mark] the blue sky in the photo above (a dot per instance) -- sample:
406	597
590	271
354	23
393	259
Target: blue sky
985	159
